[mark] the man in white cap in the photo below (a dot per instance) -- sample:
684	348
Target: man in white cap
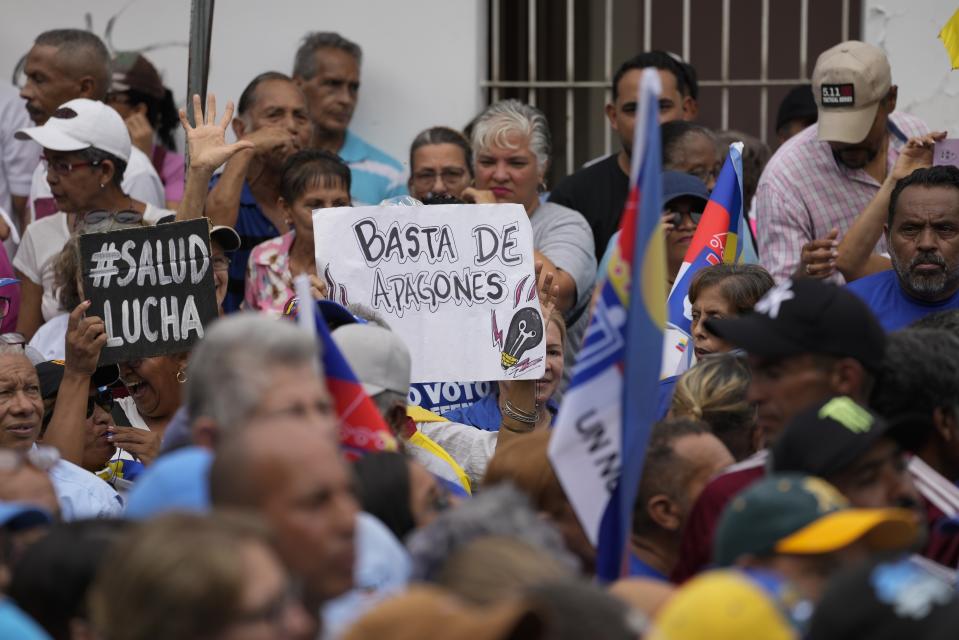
818	182
62	65
88	153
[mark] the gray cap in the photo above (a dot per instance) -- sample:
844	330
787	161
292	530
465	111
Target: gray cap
379	358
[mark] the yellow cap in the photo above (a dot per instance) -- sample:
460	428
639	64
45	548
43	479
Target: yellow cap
720	605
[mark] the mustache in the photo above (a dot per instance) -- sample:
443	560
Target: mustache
927	257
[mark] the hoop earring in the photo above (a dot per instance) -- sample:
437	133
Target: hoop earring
181	376
541	187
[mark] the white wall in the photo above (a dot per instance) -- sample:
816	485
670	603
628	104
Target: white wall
907	31
422	59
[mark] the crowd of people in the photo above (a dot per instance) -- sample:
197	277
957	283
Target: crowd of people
802	480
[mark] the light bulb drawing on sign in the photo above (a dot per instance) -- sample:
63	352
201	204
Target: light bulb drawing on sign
525	332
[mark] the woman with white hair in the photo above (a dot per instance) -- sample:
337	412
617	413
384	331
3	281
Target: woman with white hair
511	153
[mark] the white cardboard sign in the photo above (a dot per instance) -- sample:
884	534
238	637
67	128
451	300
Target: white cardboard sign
455	282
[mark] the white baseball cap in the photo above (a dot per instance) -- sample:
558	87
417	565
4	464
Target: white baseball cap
81	124
379	358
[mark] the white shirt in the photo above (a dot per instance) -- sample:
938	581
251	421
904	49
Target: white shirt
50	339
82	495
18	158
140	182
472	448
43	241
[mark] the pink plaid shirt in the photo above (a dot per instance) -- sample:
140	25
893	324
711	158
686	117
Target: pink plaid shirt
803	193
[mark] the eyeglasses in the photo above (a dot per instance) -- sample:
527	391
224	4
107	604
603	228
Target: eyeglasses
122	217
4	307
102	399
41	457
450	177
64	168
677	216
221	263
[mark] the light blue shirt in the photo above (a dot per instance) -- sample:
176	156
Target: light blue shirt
82	495
375	175
383	567
14	623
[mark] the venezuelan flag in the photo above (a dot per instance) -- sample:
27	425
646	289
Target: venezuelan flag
362	428
600	435
717	240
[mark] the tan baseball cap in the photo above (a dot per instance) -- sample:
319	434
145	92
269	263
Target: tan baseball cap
848	82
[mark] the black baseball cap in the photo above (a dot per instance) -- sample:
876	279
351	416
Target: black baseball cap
889	599
807	316
799	104
50	374
826	439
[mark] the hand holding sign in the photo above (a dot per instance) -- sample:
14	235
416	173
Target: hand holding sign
917	153
85	339
153	287
456	282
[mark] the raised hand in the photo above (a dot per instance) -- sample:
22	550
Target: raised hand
85	339
916	154
548	292
206	142
141	133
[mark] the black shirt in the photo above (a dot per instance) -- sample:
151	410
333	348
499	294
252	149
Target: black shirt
599	193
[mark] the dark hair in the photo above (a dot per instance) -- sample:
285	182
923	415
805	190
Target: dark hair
742	285
443	135
161	112
304	63
947	320
938	176
576	609
248	97
383	485
659	470
92	154
920	373
684	72
312	167
81	52
674	133
52	577
66	268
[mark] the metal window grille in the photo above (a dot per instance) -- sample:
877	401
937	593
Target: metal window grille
528	39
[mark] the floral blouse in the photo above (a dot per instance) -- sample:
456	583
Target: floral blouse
269	283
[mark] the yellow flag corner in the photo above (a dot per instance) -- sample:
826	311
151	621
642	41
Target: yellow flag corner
950	39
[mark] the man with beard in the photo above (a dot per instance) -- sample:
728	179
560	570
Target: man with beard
818	182
922	233
272	114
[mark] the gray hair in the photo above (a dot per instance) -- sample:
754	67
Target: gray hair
80	53
304	64
230	367
494	126
499	511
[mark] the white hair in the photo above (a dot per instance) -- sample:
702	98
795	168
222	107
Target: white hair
230	369
503	119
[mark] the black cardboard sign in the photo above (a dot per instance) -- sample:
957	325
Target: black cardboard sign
153	287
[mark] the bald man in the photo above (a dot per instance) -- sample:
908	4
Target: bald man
292	474
64	64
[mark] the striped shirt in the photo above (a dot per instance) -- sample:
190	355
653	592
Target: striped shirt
253	228
375	175
804	193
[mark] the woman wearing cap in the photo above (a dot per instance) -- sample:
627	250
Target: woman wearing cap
147	107
86	148
511	154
